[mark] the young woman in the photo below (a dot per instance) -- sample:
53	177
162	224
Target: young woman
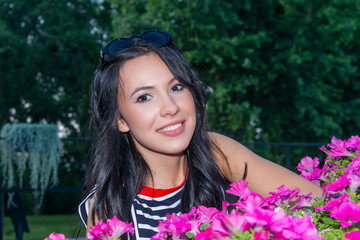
154	154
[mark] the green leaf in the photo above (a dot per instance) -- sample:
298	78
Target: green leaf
190	235
204	226
330	221
334	234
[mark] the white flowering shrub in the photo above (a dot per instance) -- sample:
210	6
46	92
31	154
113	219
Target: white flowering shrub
35	147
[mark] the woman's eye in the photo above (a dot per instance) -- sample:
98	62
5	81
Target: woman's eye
177	88
143	98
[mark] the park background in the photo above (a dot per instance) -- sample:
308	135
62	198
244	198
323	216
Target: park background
283	75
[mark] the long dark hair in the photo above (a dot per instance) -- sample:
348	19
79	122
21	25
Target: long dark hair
118	169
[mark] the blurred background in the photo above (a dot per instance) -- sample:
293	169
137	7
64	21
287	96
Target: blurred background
283	76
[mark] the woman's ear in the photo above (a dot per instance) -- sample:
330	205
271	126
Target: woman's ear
122	125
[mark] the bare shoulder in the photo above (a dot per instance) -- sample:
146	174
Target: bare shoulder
262	175
230	156
239	159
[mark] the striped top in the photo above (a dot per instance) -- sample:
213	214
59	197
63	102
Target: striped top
149	207
152	205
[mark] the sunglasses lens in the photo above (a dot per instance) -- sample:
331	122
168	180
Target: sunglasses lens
119	45
154	37
157	39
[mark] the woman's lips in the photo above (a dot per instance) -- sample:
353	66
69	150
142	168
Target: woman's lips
172	130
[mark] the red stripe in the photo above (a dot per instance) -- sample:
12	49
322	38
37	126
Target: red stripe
155	193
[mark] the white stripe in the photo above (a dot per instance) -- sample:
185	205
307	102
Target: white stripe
159	207
154	217
134	221
160	198
143	238
87	205
223	192
86	201
147	226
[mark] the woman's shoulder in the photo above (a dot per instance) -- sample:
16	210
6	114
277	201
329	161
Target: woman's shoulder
261	174
229	147
223	141
230	156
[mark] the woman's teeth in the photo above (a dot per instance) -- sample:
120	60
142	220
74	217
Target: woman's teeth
171	128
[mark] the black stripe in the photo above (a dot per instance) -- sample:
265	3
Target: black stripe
151	212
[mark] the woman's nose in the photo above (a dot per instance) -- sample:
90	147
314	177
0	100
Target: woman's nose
169	106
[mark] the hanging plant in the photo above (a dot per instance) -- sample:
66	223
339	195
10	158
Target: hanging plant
30	146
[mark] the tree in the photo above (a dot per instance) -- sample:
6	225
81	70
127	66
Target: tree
49	50
309	77
277	70
50	53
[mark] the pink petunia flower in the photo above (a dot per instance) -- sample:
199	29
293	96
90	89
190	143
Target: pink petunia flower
206	214
253	198
308	164
308	168
197	217
303	228
338	148
324	149
195	225
303	201
239	188
225	205
354	165
175	226
258	219
354	181
116	227
56	236
337	187
354	235
333	203
228	224
160	236
245	196
282	195
335	142
98	232
207	234
353	143
348	214
279	222
263	235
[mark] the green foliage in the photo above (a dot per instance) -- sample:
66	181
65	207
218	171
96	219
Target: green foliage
334	234
277	70
50	58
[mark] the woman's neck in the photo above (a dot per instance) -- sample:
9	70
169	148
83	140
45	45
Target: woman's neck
167	171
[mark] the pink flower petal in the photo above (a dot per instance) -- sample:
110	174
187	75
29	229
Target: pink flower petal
354	235
56	236
118	227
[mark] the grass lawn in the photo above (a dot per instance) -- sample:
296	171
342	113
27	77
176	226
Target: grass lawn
42	226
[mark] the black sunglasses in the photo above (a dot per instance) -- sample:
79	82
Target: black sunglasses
154	37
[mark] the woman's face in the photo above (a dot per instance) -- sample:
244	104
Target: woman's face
155	107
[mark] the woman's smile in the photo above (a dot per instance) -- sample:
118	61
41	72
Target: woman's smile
172	130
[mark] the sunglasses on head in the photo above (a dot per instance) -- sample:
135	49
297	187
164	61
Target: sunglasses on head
154	37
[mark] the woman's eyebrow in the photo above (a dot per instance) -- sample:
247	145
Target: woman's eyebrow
172	80
149	87
140	89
